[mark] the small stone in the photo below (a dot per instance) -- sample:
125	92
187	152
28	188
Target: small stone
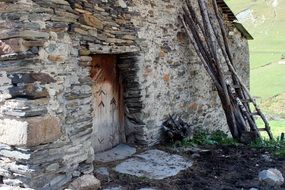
102	173
76	173
195	155
5	48
271	177
266	158
32	77
56	58
85	182
84	52
85	58
16	44
60	2
52	167
122	3
91	20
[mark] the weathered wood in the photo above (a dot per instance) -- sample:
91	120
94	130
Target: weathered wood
199	53
208	41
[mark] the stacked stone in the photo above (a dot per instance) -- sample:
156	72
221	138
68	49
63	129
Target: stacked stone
132	98
46	90
45	99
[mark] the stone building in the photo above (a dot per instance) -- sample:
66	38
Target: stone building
79	77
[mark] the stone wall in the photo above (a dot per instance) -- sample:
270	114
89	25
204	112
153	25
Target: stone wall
45	85
172	78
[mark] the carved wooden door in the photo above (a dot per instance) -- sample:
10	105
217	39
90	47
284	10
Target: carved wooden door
108	129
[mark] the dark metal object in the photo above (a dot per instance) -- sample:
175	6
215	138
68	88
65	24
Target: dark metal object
175	129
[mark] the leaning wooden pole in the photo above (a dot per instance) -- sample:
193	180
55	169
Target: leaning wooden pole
212	47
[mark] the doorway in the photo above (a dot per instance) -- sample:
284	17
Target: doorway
108	114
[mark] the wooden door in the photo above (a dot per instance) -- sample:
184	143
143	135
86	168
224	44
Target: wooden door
108	118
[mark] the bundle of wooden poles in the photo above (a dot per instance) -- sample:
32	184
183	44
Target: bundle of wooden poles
212	46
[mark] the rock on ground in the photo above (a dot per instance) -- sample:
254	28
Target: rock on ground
271	177
86	182
154	164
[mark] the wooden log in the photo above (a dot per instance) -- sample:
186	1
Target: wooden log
230	116
197	49
207	42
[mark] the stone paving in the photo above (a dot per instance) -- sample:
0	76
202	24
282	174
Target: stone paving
120	152
154	164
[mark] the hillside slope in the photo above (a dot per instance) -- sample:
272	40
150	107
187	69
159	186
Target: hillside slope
265	20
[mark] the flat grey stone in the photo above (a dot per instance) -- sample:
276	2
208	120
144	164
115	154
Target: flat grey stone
271	177
154	164
120	152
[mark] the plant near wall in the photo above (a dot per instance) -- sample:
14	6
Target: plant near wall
204	137
275	146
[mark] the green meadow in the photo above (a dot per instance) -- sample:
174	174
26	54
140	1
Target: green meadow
277	127
266	23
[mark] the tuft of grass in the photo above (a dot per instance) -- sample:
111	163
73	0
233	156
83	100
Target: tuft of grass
276	146
203	137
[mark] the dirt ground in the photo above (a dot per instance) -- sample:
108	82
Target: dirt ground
222	168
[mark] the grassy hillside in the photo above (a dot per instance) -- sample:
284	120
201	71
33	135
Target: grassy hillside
267	25
265	20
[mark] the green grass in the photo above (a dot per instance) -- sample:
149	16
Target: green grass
277	127
268	30
268	81
276	146
203	137
275	105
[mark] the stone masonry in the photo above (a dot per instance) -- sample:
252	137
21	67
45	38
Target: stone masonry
46	88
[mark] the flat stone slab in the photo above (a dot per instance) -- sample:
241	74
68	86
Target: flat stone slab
154	164
120	152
